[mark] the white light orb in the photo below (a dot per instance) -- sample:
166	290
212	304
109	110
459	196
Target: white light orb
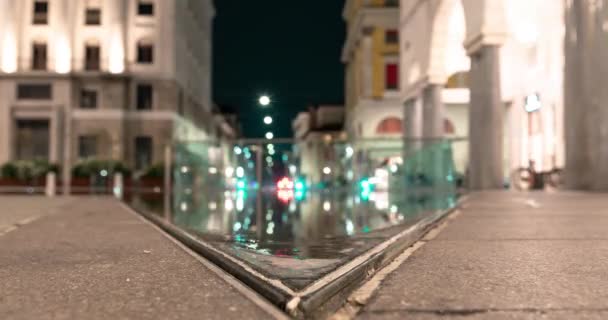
264	100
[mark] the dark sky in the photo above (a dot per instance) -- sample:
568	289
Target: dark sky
289	49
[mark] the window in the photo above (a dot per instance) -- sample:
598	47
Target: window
145	52
87	147
448	127
32	139
39	56
92	17
41	12
391	36
390	126
145	8
88	99
144	97
143	152
92	57
391	3
34	91
392	76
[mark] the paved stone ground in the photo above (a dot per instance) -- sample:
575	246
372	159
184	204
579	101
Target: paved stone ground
507	256
88	258
17	211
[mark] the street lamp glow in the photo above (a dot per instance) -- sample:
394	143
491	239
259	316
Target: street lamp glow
349	151
327	170
268	120
264	100
269	135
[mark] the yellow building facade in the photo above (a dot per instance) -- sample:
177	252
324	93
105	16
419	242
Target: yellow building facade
371	56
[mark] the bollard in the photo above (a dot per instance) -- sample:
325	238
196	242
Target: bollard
51	184
118	186
167	188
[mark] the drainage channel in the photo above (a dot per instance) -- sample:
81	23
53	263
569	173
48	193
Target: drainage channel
306	273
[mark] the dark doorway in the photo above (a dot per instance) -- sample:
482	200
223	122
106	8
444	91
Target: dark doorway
143	152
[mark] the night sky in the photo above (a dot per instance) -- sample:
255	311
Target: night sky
287	49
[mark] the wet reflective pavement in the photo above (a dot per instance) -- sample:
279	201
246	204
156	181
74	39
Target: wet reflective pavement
296	237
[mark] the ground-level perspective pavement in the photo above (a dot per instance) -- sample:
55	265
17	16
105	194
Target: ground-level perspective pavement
89	258
502	255
507	256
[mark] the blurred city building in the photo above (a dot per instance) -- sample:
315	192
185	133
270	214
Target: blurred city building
491	70
316	132
110	79
371	56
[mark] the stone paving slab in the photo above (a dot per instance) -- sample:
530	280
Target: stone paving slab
95	260
521	227
509	265
18	210
493	315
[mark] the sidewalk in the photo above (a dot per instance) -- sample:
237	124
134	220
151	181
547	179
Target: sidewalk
87	258
507	256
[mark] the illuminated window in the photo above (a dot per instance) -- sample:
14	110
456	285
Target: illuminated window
145	52
390	126
391	36
144	97
448	127
92	57
41	12
39	56
145	8
458	80
392	76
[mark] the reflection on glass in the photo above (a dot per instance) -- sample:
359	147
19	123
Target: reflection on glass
236	196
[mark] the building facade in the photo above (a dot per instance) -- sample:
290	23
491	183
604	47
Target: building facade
107	79
318	142
371	57
495	70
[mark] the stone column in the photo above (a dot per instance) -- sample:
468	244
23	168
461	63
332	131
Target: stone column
485	120
367	55
116	40
433	112
62	62
586	106
412	123
9	11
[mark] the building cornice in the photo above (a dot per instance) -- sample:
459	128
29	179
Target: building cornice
473	44
124	115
